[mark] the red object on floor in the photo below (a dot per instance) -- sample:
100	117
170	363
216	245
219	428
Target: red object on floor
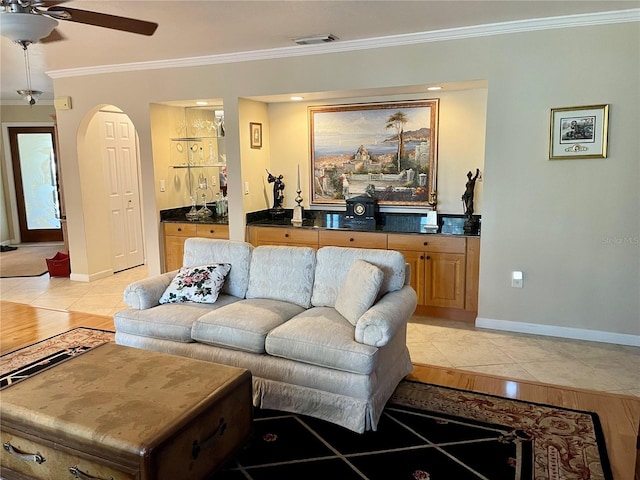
59	265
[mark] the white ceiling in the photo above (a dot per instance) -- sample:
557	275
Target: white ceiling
214	27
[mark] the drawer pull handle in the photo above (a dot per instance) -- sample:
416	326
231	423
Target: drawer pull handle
211	231
286	235
426	243
208	442
77	473
351	239
179	229
27	457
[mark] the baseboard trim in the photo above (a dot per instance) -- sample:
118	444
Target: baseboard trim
562	332
81	277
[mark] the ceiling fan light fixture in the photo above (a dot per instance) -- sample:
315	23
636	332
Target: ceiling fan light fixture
316	39
30	96
26	27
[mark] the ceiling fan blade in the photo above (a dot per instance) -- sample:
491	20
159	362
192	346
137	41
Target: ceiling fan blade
113	22
54	36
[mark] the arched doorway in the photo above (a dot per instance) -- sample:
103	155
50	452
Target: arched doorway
110	169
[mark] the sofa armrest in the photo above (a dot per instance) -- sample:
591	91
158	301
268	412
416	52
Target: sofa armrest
146	293
378	325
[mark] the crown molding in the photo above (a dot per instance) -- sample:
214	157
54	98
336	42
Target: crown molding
519	26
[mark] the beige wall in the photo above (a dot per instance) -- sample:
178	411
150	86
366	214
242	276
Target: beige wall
571	226
461	144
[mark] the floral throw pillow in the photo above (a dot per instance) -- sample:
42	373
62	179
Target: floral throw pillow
197	284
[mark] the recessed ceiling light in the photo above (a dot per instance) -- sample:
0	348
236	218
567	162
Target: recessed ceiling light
296	98
433	89
202	103
315	39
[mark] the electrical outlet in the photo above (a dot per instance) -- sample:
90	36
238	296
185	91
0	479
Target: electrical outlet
517	279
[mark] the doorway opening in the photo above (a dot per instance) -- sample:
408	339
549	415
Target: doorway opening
35	176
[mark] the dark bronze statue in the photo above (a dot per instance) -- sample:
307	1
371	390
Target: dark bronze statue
278	190
467	196
471	223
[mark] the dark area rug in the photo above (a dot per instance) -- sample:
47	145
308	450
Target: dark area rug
427	432
430	432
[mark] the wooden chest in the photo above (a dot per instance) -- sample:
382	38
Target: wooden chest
120	413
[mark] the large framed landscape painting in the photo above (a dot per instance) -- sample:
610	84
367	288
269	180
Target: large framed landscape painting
383	150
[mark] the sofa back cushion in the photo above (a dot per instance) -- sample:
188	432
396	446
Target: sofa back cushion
282	273
205	251
333	264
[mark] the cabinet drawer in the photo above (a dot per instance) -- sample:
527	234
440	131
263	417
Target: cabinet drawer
427	243
213	230
353	239
180	229
280	236
56	461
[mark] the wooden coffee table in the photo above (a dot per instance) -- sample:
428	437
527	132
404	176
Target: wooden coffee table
116	413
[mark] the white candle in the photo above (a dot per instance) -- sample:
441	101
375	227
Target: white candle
298	176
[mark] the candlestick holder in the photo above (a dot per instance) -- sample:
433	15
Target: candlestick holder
296	221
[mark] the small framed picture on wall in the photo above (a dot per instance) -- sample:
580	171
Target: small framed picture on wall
579	132
255	130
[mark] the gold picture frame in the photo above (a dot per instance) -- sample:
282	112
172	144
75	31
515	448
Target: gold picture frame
579	132
385	150
255	132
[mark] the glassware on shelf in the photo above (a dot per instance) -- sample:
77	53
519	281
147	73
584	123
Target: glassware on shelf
204	211
193	213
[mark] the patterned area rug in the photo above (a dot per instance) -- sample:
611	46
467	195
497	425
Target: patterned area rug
429	432
22	363
426	432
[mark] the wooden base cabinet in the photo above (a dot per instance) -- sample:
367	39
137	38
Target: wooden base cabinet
440	273
282	236
175	235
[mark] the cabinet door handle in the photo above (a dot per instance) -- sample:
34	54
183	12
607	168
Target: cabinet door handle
421	257
77	473
428	257
27	457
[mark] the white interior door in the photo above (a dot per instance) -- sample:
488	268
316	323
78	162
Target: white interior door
120	160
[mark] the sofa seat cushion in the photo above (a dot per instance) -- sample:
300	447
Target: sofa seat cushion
170	321
243	325
321	336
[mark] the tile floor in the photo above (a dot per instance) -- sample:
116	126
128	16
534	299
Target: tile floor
588	365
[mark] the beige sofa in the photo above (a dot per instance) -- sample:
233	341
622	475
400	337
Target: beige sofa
298	319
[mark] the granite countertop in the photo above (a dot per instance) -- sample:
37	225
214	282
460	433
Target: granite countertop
179	215
415	223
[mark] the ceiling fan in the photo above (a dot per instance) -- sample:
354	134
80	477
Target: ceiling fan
30	21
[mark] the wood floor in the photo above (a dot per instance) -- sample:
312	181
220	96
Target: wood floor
22	325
